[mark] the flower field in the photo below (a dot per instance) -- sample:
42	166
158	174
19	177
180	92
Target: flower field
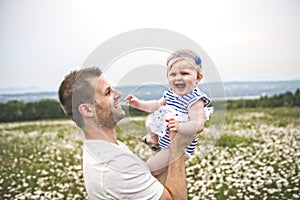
257	156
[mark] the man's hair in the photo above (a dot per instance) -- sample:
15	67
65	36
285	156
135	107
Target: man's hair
76	89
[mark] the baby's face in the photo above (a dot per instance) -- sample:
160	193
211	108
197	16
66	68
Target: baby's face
183	77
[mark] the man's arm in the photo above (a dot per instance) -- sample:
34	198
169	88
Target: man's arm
175	183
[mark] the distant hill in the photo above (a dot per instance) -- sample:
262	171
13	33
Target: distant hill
237	90
233	90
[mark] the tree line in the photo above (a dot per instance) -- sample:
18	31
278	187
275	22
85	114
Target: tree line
13	111
19	111
287	99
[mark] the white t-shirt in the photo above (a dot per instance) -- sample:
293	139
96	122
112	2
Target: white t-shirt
113	172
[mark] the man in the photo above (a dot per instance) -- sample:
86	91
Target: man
110	169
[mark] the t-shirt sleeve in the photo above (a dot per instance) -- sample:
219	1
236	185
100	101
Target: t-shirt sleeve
195	96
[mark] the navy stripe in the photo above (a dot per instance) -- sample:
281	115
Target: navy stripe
181	105
175	102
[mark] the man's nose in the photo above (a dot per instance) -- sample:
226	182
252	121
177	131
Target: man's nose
117	94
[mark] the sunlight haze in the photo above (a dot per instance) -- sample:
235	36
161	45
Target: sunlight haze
41	41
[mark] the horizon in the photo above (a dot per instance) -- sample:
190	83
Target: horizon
27	90
227	91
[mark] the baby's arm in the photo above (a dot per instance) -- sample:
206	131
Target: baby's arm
197	119
148	106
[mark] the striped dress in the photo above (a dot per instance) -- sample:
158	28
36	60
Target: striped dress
179	106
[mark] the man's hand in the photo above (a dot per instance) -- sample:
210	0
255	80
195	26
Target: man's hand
173	126
181	139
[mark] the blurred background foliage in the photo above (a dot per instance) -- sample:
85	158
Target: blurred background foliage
13	111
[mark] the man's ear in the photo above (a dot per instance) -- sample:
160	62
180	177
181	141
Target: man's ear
86	110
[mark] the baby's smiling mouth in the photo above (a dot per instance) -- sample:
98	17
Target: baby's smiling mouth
180	85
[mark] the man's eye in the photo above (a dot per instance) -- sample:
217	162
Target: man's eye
107	92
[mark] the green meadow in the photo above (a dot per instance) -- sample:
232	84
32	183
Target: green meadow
257	156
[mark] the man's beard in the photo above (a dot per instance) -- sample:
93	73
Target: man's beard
108	119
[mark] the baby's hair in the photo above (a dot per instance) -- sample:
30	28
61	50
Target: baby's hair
186	55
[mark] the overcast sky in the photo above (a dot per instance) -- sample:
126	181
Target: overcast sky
42	40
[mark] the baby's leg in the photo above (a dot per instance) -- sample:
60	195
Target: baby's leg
151	137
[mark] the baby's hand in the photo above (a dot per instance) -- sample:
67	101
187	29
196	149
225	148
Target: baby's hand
173	126
131	100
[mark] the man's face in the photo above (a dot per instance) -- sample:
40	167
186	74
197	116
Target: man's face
107	106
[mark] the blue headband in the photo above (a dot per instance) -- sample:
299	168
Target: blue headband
196	59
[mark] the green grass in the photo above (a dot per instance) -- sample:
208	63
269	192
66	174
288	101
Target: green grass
231	140
256	156
40	161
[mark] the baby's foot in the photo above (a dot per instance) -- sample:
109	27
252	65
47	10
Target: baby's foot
153	146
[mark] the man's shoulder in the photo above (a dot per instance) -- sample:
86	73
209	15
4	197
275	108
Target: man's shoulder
115	157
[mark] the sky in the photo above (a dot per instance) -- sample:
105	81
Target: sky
42	40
